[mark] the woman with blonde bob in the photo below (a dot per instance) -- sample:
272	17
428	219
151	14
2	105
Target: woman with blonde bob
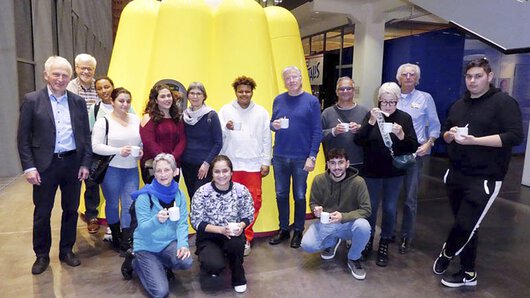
382	178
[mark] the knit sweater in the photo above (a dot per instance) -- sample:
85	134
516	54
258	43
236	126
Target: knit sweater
302	138
250	147
377	158
348	196
164	137
152	235
213	206
205	140
493	113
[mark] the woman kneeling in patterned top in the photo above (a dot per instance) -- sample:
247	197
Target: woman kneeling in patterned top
220	211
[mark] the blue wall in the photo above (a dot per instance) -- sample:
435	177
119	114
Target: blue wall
440	55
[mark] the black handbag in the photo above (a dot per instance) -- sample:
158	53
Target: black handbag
100	163
404	161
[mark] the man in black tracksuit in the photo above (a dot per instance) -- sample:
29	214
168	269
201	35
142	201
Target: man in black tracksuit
478	163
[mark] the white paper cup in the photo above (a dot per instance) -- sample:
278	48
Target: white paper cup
461	131
387	127
345	126
234	228
174	213
284	123
324	217
135	151
237	125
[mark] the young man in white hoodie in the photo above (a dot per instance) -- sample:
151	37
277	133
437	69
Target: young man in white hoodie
247	142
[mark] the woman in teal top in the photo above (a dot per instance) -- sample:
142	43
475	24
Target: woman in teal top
160	243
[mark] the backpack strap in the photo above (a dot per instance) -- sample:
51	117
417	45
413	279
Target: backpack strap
96	110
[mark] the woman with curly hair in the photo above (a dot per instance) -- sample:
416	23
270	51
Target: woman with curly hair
161	129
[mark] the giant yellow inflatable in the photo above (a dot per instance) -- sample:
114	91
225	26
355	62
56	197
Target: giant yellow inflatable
212	42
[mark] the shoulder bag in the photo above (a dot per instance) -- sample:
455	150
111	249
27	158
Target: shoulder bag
100	163
400	161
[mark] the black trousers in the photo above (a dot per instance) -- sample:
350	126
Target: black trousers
189	171
91	199
470	199
62	174
212	249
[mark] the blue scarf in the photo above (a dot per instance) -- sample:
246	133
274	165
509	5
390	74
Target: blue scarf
165	194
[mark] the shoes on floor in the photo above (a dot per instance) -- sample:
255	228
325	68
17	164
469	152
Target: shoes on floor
357	269
382	253
441	263
297	239
241	288
329	253
40	265
247	249
460	279
404	246
93	226
70	259
281	236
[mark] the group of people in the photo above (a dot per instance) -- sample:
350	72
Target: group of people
224	157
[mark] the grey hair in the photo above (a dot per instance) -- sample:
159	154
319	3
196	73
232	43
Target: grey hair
344	79
291	68
165	157
417	70
85	58
53	61
197	85
389	88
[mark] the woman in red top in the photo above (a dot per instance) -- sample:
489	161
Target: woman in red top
161	129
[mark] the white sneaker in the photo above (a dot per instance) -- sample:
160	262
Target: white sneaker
241	288
108	235
247	249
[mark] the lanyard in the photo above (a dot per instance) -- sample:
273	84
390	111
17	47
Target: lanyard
386	137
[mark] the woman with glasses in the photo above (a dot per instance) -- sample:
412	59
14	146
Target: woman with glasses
161	129
204	139
382	178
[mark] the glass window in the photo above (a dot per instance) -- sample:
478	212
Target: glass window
333	40
317	44
306	44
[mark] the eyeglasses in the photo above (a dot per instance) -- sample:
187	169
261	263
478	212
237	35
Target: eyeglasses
408	74
388	103
345	88
195	94
292	78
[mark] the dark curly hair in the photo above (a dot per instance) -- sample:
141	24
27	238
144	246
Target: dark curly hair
152	106
244	80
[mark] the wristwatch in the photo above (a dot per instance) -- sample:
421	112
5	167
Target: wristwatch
312	158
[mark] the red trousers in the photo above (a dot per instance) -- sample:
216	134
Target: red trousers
252	180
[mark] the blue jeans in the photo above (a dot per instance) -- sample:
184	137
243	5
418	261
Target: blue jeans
411	184
117	186
284	170
385	190
151	268
321	236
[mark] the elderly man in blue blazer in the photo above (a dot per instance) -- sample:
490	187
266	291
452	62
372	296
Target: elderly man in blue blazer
55	152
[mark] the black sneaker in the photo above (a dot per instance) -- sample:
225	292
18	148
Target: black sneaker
281	236
460	279
441	263
329	253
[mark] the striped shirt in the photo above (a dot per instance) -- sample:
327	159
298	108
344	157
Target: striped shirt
89	94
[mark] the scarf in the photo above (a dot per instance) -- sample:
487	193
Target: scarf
192	117
166	194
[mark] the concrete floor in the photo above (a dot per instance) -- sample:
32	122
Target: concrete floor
503	265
